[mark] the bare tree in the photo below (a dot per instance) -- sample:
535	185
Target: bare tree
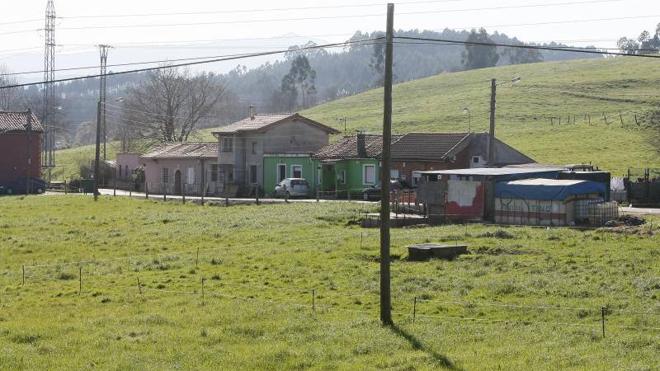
168	105
9	98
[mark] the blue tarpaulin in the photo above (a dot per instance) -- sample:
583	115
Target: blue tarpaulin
547	189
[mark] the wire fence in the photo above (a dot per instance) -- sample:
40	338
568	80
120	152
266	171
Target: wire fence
319	301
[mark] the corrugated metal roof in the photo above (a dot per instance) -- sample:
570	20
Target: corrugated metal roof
184	150
491	171
260	122
17	121
546	182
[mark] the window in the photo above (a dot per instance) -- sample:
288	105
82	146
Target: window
190	179
416	177
394	174
227	144
475	159
254	148
214	172
281	172
165	175
369	174
230	175
253	174
341	177
296	171
126	174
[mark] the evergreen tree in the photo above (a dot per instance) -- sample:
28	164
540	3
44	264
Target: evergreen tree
479	56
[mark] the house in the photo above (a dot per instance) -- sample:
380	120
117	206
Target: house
415	152
20	149
243	146
350	165
183	167
126	164
353	163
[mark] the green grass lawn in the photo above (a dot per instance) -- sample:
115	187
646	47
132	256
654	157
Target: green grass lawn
529	298
68	161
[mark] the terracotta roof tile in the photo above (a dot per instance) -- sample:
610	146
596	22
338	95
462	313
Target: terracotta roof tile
184	150
428	146
347	147
260	122
17	121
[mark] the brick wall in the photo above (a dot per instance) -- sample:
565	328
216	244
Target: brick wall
14	156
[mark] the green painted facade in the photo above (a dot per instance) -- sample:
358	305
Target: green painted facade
330	177
346	176
271	169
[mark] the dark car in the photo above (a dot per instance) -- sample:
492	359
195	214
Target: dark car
37	185
373	193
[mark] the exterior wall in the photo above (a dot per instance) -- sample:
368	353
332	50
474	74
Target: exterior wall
465	199
153	176
270	170
534	212
14	156
354	176
406	168
126	164
288	137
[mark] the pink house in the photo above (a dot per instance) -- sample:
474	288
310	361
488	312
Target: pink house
182	167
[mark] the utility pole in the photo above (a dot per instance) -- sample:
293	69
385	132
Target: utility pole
97	157
28	130
103	50
48	145
385	294
491	136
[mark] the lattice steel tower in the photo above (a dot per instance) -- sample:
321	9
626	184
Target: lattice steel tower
103	49
48	158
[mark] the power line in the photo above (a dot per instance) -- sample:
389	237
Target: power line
221	59
567	3
142	63
522	46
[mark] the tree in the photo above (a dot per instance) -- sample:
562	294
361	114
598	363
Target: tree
377	61
169	103
299	82
9	98
522	55
645	43
479	56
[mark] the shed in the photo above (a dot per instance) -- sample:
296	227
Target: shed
468	194
540	201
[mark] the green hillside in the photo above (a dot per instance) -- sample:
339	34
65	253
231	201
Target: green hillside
578	89
619	89
68	161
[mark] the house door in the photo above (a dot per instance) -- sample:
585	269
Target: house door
177	182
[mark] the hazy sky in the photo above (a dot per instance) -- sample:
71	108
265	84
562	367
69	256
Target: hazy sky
323	20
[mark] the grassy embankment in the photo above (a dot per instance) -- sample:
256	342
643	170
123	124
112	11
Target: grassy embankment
525	298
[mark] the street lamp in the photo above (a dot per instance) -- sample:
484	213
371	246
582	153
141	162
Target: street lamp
466	111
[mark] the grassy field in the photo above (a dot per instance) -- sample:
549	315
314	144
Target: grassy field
68	161
525	298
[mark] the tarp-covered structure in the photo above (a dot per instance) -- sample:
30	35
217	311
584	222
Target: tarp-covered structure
548	189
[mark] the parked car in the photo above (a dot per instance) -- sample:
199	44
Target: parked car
373	193
292	187
37	185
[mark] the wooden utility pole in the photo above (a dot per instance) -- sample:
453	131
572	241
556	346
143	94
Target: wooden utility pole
28	173
491	137
97	158
385	294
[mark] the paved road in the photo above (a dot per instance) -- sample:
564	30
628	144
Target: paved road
233	200
640	211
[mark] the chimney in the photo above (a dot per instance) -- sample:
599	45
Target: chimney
252	112
361	145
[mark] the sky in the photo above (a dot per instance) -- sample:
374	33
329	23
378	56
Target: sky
142	30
